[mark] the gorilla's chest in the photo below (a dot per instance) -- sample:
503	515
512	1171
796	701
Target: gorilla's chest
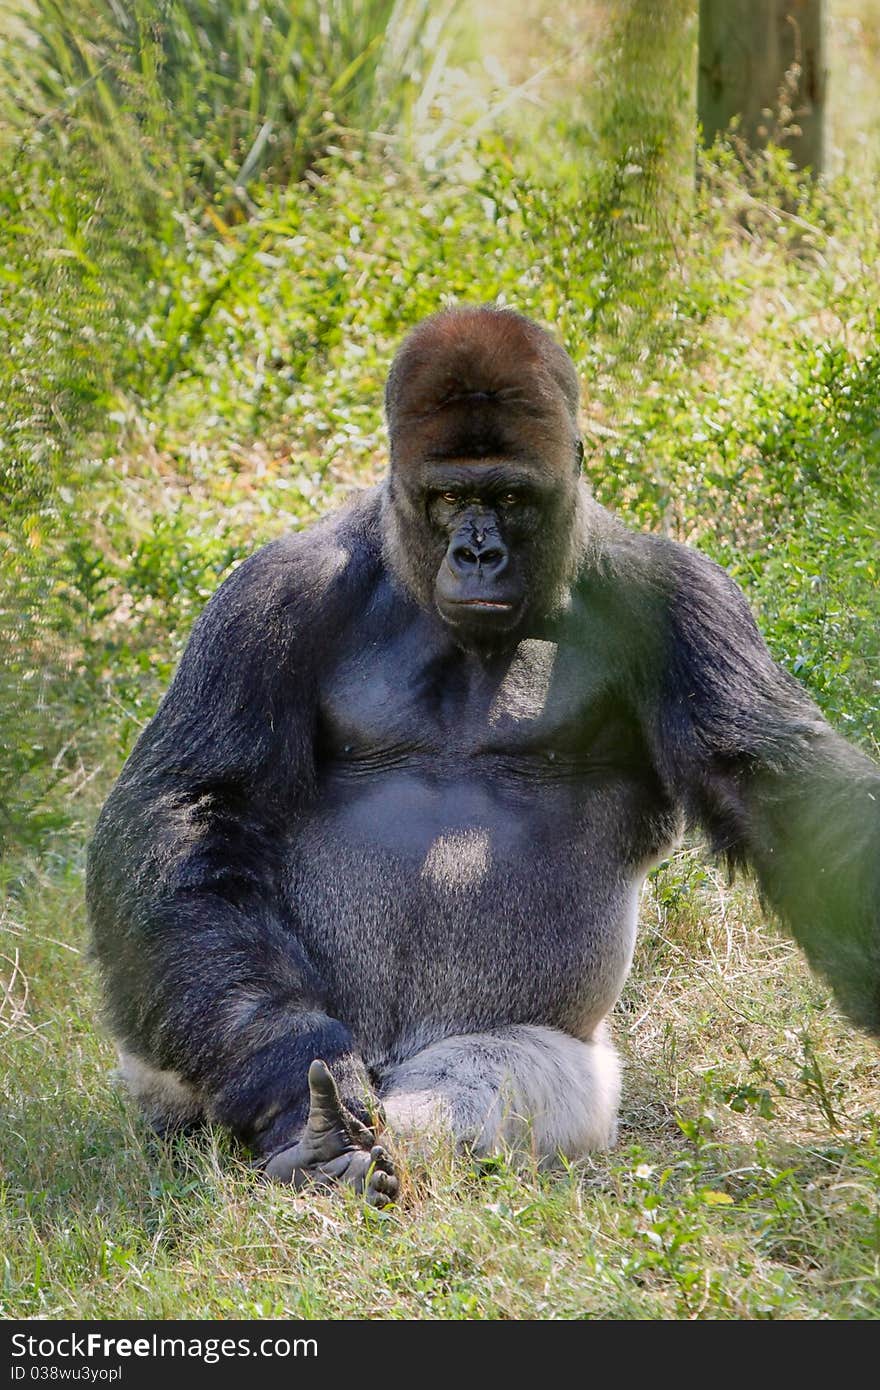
401	704
476	841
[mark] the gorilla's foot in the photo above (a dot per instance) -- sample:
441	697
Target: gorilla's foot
335	1148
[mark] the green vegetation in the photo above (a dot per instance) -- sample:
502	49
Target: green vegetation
197	319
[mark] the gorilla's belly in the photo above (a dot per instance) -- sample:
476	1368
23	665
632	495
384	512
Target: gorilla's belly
435	904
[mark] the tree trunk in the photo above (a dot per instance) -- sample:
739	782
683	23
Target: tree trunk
764	62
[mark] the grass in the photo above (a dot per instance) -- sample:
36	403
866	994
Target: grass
745	1185
179	389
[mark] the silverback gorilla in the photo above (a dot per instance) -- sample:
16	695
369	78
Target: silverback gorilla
374	866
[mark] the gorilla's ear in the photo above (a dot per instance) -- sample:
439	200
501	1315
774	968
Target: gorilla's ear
579	455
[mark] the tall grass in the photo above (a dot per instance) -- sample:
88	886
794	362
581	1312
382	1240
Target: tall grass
220	93
124	127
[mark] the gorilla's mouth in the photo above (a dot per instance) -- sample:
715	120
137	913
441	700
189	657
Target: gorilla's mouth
481	617
476	608
503	604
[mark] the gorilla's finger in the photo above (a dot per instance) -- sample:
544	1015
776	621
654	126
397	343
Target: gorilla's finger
327	1111
381	1159
385	1182
281	1166
382	1189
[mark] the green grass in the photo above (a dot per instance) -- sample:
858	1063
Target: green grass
182	386
746	1183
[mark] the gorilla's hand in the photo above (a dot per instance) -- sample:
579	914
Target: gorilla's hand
335	1147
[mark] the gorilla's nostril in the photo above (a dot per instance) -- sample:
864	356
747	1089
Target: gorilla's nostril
491	558
463	555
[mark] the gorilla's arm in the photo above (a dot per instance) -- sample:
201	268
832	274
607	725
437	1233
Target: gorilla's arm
205	976
777	789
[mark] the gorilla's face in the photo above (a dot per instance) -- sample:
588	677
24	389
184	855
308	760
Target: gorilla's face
486	516
490	544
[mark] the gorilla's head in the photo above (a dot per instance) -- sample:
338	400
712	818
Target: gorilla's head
482	513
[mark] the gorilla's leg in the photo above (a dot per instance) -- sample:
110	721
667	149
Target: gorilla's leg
167	1102
527	1087
334	1146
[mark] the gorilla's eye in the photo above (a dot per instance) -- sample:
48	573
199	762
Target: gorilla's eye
510	499
449	497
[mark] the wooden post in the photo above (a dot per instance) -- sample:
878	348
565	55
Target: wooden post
764	61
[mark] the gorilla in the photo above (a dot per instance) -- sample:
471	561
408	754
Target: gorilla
372	871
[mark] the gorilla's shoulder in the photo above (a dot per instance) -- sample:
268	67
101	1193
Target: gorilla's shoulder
680	622
653	574
304	575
